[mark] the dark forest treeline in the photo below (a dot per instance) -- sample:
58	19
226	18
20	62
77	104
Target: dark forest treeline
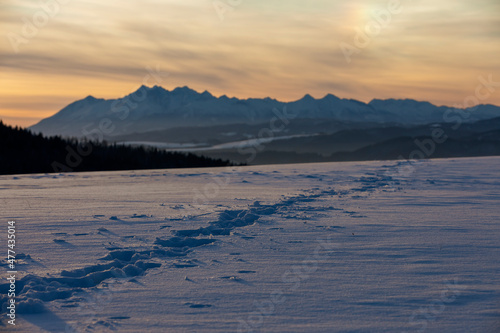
23	152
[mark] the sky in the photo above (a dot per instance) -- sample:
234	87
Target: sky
53	52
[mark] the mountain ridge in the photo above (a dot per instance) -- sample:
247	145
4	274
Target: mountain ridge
156	108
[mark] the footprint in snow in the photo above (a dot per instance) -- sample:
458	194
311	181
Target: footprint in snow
198	306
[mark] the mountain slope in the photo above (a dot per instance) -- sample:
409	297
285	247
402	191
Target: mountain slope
481	138
23	152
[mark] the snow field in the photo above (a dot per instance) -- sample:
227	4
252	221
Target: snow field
333	247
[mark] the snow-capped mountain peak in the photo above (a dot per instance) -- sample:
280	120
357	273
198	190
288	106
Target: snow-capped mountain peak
155	108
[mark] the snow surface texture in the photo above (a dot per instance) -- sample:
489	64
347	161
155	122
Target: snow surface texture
333	247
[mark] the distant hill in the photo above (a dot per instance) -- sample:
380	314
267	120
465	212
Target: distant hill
351	139
156	109
23	152
261	131
481	138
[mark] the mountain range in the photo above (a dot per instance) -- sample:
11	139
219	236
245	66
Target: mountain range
262	131
157	109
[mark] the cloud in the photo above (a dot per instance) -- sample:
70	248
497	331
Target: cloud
431	51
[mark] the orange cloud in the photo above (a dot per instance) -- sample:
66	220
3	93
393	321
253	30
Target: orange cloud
431	51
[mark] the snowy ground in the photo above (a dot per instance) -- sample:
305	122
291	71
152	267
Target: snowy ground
333	247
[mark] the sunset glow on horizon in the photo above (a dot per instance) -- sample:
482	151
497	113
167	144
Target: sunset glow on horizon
425	50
